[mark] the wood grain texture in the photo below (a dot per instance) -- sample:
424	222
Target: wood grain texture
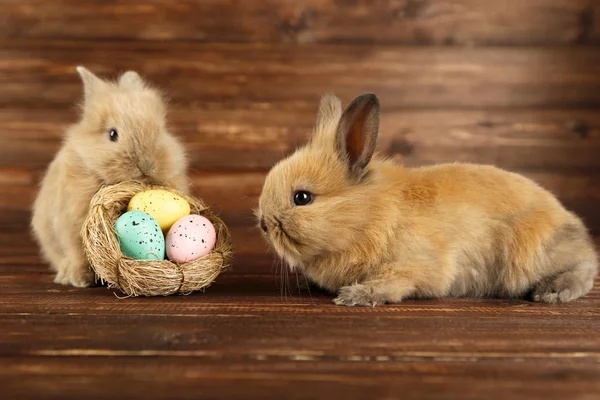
591	23
222	138
296	317
422	22
193	378
42	74
242	339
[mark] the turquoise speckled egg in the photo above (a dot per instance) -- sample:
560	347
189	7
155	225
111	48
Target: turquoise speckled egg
140	236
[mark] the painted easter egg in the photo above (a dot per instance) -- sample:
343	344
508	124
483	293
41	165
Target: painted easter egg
189	238
140	236
164	206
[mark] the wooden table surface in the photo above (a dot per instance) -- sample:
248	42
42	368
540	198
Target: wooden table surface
247	338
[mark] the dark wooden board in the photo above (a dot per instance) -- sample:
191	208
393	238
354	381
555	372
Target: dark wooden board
198	378
42	74
591	20
242	339
32	304
422	22
242	138
205	328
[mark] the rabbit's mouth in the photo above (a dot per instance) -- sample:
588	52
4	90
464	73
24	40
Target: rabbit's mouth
285	244
286	234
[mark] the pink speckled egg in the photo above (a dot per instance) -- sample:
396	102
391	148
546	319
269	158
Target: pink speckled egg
190	237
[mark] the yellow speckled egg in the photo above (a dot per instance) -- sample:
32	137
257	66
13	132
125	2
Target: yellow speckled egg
164	206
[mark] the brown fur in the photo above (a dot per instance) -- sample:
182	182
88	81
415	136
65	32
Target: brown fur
394	232
88	159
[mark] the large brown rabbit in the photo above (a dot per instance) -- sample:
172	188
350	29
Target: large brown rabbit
376	232
122	135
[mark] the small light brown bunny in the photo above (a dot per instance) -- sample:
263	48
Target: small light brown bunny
122	135
376	232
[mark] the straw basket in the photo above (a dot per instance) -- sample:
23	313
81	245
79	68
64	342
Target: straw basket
147	278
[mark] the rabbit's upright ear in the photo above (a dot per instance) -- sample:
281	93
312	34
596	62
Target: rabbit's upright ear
357	133
131	80
328	116
91	83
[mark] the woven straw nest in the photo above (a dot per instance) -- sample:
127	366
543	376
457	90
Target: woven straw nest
147	278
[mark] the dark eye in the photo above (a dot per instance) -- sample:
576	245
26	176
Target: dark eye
302	198
114	135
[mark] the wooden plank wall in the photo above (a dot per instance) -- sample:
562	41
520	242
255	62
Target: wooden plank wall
515	83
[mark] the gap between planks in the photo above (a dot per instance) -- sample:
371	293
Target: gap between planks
321	356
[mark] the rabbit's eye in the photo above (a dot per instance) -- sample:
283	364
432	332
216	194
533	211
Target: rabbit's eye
302	198
113	134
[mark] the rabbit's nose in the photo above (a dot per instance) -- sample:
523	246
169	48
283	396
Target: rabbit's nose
263	224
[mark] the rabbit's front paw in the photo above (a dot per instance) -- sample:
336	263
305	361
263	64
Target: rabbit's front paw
62	277
82	278
79	277
357	295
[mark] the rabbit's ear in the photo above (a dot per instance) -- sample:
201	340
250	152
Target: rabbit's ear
91	83
131	80
328	116
357	133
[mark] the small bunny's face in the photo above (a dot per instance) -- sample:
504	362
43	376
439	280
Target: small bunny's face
314	201
123	133
301	203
